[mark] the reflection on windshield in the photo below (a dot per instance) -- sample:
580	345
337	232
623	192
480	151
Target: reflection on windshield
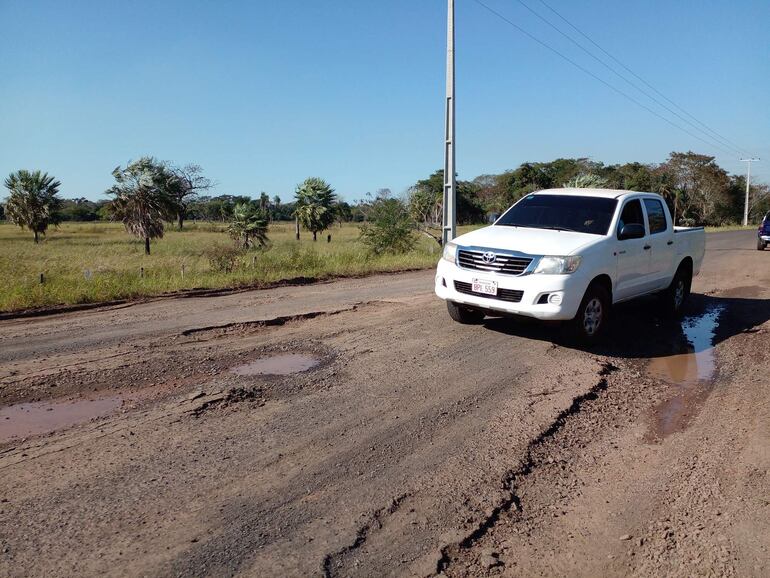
562	213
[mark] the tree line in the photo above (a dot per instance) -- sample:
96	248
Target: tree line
148	194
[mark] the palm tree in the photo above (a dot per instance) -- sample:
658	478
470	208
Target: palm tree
249	225
143	198
586	181
315	205
33	202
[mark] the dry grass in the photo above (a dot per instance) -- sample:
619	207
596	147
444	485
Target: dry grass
92	262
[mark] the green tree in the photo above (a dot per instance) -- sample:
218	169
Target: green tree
426	204
389	228
315	205
78	210
703	186
33	201
186	183
249	225
143	198
343	212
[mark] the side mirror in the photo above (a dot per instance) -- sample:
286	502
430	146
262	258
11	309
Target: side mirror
631	231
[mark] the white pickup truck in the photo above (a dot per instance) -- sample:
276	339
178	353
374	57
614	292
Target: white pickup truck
570	254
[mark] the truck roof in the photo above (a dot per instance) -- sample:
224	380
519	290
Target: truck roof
604	193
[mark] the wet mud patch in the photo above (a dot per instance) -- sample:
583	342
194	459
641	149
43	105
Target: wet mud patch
22	420
745	291
35	418
691	370
268	373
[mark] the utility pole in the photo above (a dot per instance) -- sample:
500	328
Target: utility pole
449	222
748	187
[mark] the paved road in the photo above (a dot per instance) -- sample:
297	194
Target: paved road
397	455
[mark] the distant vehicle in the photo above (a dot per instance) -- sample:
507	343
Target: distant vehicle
763	233
570	254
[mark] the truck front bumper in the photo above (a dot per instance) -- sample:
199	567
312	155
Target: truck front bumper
546	297
765	238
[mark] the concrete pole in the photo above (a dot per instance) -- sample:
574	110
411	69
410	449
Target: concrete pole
748	188
449	223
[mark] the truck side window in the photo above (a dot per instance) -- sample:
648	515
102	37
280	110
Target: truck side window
656	216
632	213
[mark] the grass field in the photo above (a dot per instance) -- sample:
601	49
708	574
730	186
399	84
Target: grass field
92	262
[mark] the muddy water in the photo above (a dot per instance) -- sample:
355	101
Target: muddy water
277	365
697	364
33	418
691	372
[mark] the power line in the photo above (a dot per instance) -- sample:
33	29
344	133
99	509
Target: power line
598	78
643	81
718	139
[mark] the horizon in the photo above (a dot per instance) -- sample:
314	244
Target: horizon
251	95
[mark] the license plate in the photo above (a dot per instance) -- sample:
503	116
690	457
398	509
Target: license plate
485	287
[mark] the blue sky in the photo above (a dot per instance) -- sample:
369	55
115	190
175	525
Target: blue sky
265	93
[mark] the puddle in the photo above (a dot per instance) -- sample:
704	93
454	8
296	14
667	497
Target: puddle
691	371
34	418
277	365
697	363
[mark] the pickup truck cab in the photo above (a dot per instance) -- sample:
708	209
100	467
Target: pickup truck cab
763	233
569	255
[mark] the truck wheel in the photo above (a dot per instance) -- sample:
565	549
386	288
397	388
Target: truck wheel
593	315
675	296
760	245
463	314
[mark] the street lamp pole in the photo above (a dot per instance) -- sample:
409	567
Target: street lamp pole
449	223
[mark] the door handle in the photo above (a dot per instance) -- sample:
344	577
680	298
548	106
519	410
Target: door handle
647	247
670	243
621	252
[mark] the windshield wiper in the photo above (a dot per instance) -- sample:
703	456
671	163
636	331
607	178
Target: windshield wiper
557	228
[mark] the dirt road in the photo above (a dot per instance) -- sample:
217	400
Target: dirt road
409	445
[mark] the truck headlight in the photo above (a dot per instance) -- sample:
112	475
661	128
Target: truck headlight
450	252
558	265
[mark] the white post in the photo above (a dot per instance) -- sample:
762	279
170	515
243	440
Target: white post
748	188
449	222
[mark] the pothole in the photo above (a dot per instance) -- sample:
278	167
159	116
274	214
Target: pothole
41	417
285	364
691	371
697	363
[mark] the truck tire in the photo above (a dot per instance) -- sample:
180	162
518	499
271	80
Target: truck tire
590	323
677	293
760	245
463	314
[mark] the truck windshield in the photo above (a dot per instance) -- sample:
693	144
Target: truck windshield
561	212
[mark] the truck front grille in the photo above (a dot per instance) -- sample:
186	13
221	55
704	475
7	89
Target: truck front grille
509	295
502	263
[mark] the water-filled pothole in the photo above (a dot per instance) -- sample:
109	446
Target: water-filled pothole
285	364
40	417
697	364
692	372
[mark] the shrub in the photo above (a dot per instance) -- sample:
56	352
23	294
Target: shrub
390	229
223	258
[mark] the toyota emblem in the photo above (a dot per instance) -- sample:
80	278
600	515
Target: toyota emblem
489	257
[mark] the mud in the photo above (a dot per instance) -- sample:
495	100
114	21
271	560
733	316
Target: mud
35	418
697	363
691	372
278	365
512	459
